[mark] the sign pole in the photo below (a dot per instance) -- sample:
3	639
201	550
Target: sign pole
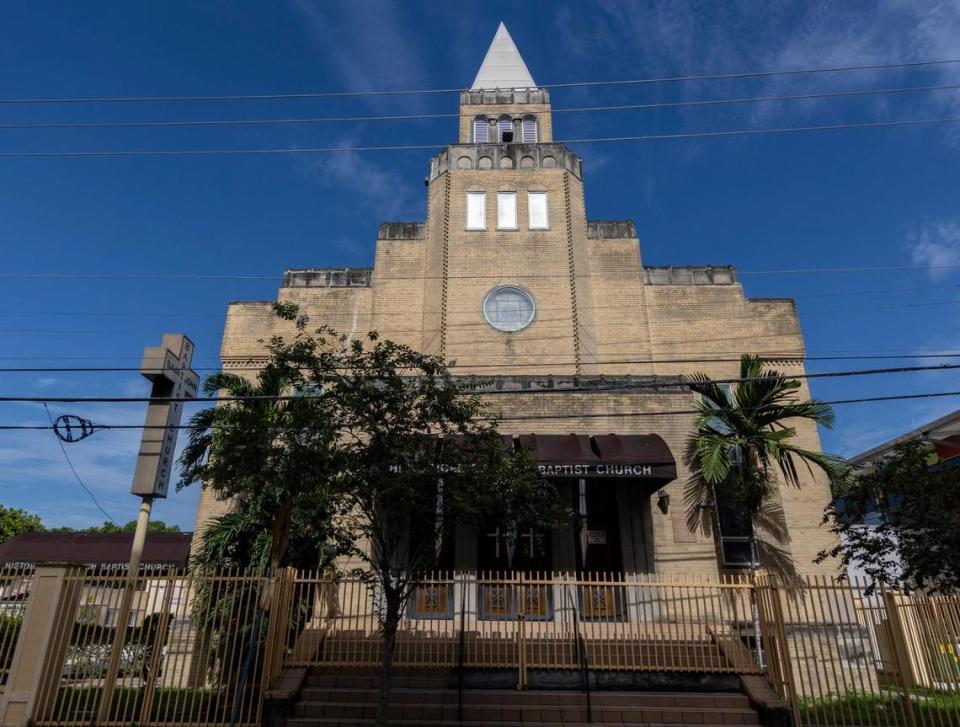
140	535
168	368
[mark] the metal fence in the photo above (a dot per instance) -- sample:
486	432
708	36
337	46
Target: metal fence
846	654
530	621
177	649
163	648
14	589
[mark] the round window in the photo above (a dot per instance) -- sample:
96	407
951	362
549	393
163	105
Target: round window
509	308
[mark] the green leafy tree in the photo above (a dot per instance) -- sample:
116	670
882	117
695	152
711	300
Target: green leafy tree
271	447
742	443
899	523
420	459
130	527
14	522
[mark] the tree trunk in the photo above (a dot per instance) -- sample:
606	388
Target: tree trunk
279	539
390	625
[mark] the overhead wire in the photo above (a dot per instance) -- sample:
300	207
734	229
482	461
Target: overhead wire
422	147
255	367
413	92
523	417
205	276
74	469
629	386
436	116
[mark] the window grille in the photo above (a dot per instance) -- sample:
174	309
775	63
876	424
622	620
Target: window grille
529	130
481	131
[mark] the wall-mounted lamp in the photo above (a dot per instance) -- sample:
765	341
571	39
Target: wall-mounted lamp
663	501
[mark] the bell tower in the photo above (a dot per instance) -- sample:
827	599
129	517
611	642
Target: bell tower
503	104
507	259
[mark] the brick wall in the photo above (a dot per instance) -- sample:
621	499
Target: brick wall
595	316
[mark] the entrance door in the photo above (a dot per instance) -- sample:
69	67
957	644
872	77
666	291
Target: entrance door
598	540
599	551
510	562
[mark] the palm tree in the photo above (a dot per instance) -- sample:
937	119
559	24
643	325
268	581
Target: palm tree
742	440
269	449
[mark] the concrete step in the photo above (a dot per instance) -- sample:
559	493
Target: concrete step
493	697
530	713
334	722
369	681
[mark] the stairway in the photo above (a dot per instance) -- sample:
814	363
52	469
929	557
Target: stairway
425	698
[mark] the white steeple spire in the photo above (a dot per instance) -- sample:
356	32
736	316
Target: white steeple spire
503	67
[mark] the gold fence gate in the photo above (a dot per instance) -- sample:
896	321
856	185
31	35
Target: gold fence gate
191	651
848	654
199	649
526	621
14	588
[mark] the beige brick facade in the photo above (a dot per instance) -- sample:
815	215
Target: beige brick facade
599	312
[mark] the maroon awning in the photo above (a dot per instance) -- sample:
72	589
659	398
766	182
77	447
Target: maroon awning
644	456
83	548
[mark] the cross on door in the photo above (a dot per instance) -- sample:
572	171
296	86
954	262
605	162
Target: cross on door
168	367
531	537
496	535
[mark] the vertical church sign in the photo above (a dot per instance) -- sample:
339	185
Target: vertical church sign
168	367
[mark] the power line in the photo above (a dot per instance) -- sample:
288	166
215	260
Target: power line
409	92
191	314
688	412
422	147
74	469
203	276
438	116
605	415
556	390
765	356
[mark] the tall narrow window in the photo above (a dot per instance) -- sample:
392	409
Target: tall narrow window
476	211
481	130
529	128
505	129
506	210
537	207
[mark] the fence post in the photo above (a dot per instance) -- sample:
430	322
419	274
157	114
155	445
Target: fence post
45	632
116	648
783	653
150	688
278	626
900	657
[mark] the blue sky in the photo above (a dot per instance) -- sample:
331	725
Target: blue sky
832	199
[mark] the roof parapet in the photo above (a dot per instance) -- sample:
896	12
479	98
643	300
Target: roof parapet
690	275
327	278
611	229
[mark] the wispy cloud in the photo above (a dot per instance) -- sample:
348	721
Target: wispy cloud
366	42
646	39
35	475
936	244
380	191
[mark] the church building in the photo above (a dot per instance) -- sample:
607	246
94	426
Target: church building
585	346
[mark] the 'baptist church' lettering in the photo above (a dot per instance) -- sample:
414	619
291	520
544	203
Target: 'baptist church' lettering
624	470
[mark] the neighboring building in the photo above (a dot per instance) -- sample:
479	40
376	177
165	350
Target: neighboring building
510	278
107	555
942	433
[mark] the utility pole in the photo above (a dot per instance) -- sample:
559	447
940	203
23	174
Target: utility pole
168	367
